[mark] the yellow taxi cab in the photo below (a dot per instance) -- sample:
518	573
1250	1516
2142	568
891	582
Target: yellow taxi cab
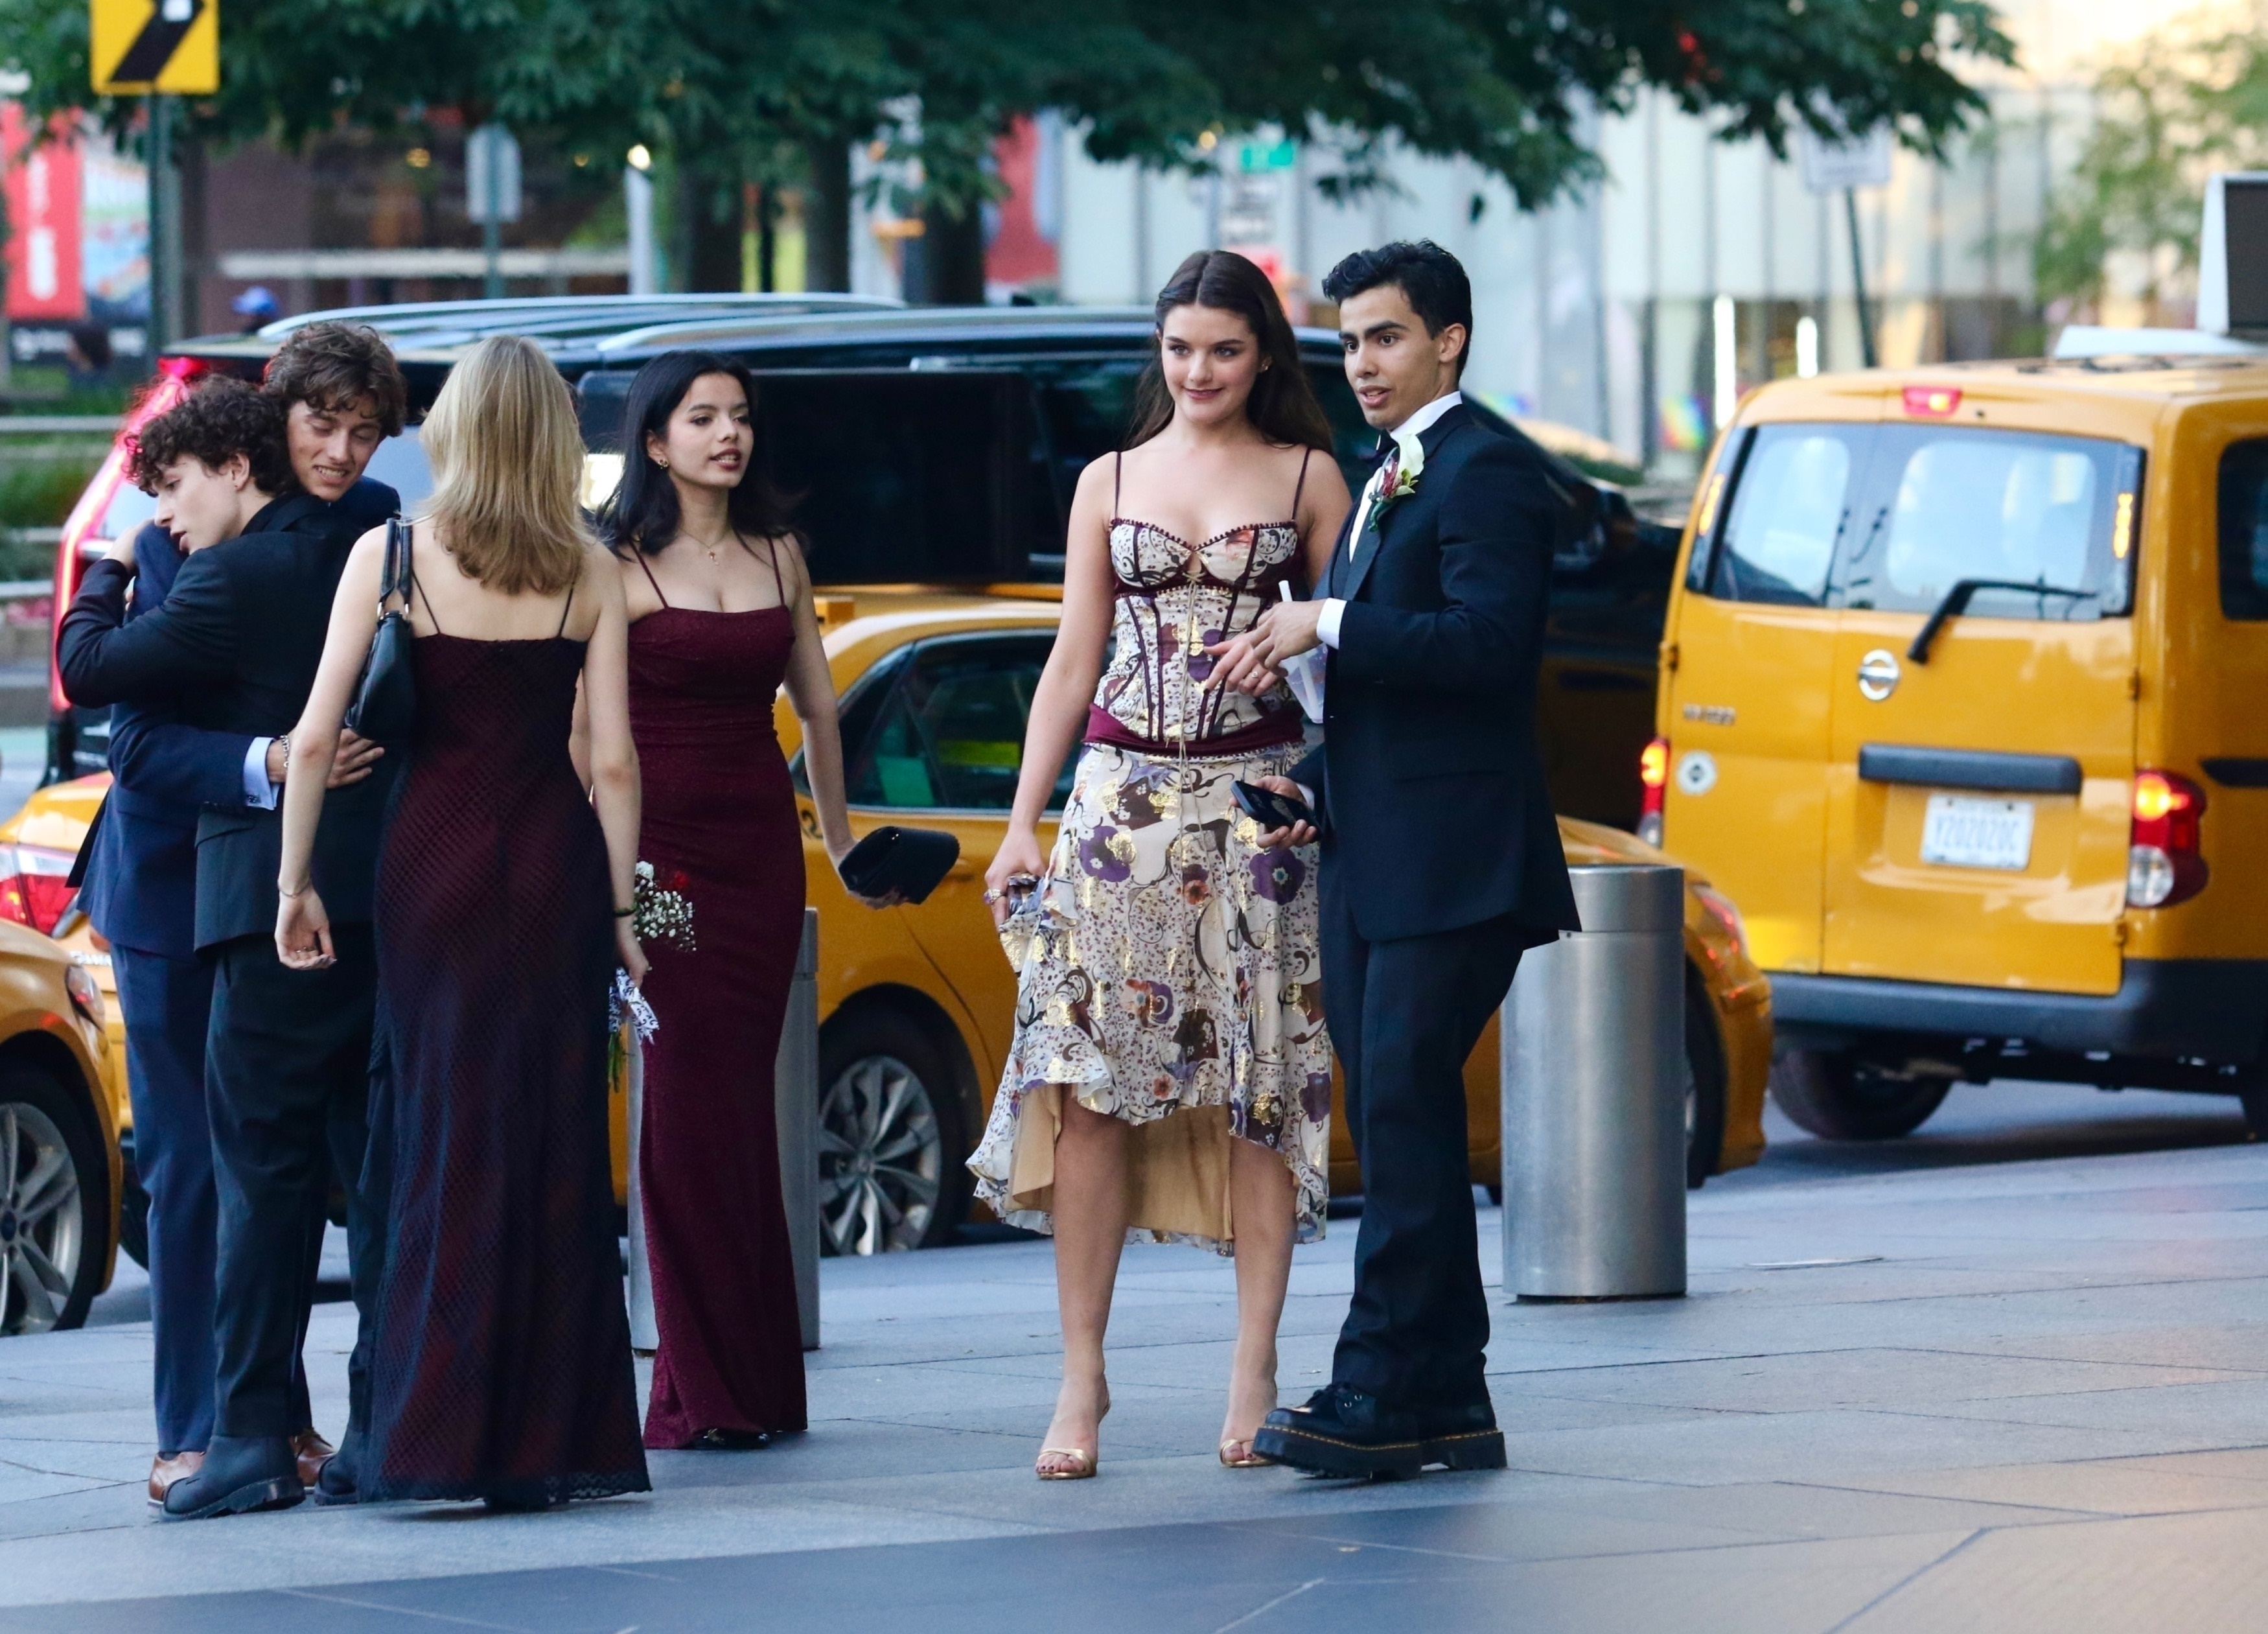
1961	700
918	1003
63	1096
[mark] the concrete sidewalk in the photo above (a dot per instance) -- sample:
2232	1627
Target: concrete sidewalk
2030	1396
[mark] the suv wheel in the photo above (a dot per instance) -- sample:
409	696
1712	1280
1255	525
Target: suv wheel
890	1142
1837	1096
54	1205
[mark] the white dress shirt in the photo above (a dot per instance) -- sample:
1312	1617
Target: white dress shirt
258	793
1327	621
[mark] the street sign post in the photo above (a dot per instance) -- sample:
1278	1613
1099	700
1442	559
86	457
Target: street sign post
159	49
492	194
1844	167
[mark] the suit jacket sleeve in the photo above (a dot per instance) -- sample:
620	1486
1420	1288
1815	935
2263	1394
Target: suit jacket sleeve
153	754
1495	533
189	638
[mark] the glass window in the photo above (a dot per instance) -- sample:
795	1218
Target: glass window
1953	504
949	734
2244	530
1790	499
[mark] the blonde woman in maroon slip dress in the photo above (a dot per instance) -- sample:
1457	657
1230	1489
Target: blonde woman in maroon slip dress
1170	1074
721	614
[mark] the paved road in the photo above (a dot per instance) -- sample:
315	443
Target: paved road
2010	1391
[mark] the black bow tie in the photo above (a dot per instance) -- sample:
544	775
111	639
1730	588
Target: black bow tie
1385	448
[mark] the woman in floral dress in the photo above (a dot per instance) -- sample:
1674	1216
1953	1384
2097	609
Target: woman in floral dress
1170	1074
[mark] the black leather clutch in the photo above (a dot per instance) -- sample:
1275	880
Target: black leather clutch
911	861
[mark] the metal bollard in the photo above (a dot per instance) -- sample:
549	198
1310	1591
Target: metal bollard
796	1077
1594	1077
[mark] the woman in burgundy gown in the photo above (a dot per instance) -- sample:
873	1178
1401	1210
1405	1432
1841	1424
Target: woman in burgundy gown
502	1362
721	614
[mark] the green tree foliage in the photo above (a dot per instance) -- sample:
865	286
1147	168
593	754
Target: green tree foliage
745	90
2186	100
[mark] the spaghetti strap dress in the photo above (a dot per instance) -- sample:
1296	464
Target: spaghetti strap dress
501	1368
720	829
1174	980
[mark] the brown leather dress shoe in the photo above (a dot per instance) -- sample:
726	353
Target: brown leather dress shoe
312	1452
164	1470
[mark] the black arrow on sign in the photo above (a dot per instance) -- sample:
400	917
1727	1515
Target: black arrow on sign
154	47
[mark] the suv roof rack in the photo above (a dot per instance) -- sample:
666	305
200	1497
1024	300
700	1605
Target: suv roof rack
420	325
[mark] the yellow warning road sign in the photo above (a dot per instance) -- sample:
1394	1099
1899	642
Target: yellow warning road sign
140	45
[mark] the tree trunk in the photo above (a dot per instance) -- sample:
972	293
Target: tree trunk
713	260
827	217
952	259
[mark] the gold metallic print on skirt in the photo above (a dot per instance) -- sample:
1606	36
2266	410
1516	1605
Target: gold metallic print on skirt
1173	981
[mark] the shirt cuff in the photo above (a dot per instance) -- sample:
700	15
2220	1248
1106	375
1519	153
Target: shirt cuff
258	793
1306	794
1327	622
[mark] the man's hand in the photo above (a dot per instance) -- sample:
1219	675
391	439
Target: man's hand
352	760
1285	630
122	549
1298	834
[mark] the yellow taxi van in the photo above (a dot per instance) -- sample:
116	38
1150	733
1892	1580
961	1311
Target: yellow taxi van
1961	700
916	1003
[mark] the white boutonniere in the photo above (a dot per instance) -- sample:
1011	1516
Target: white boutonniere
1399	479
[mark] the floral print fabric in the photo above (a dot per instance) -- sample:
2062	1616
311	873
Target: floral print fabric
1174	966
1174	600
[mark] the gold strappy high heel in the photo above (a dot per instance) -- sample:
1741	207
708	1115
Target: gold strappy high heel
1085	1462
1246	1459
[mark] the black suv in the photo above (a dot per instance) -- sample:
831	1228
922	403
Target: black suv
941	444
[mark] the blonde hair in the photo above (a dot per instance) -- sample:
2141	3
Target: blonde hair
507	458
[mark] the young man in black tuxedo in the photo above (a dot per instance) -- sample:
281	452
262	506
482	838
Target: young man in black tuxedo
1441	860
287	1057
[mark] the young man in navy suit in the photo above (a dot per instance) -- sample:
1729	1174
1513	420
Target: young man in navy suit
141	855
1441	860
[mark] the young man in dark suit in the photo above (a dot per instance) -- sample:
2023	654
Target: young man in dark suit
139	889
287	1053
1441	860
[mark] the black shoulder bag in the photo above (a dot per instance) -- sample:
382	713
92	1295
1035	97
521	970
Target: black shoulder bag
386	698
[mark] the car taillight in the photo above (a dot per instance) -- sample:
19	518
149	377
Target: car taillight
35	885
1653	779
2165	862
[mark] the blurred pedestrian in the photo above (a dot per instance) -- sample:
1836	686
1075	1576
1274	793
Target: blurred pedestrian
257	307
501	1367
1170	1070
287	1053
721	614
1441	858
212	461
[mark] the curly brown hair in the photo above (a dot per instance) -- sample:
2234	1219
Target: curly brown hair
335	365
220	418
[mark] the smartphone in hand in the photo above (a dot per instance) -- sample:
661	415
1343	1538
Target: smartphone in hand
1268	809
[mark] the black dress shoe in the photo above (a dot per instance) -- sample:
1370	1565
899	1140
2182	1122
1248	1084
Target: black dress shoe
1461	1438
1344	1432
341	1480
241	1474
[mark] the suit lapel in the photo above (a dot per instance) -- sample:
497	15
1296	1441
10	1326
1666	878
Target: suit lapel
1430	440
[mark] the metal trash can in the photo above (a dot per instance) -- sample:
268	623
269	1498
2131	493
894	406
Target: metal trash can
796	1098
1593	1085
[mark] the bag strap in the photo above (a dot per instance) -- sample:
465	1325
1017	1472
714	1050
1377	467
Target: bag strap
393	578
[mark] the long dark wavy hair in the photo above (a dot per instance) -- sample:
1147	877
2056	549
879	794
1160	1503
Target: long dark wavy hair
1283	405
642	513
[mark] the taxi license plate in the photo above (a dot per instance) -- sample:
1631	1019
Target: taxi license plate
1958	831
